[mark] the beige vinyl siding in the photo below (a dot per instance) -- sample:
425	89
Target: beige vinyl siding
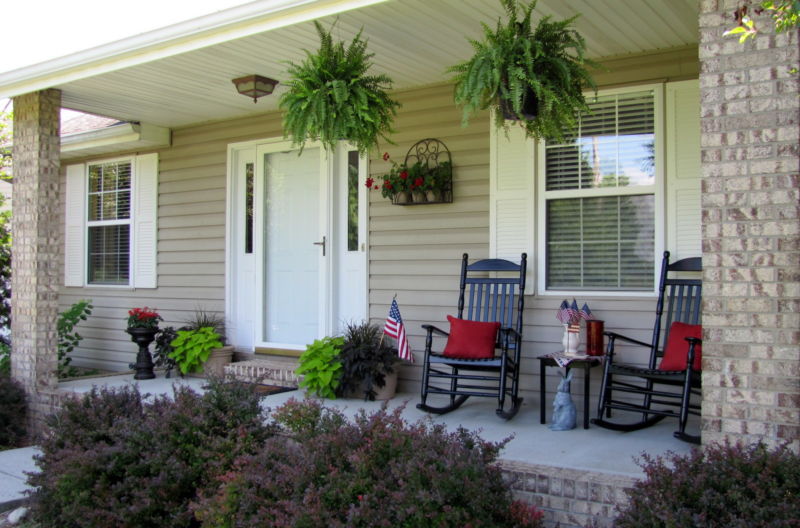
191	242
415	251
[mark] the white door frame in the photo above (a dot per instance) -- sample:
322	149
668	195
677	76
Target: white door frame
330	165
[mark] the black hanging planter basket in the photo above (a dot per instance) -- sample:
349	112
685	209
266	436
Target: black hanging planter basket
530	107
436	163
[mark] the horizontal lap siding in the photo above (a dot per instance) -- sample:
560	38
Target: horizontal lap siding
191	242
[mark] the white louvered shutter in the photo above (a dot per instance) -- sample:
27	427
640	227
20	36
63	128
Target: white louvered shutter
145	220
74	226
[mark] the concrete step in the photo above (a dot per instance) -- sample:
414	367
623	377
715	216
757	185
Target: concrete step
274	370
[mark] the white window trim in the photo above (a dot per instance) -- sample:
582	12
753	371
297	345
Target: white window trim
657	189
143	223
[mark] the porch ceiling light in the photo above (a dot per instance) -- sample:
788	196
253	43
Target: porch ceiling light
255	86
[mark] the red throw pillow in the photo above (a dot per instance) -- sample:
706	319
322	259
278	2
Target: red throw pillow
677	349
471	339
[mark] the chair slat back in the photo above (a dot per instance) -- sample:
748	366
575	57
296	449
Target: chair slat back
679	300
491	290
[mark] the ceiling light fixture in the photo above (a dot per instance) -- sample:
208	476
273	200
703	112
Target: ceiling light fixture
255	86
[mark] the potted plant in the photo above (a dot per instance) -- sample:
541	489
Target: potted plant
436	181
143	327
396	183
199	346
320	367
535	75
368	364
331	97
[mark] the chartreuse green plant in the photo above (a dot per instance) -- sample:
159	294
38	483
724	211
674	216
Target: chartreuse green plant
191	348
517	65
321	367
331	96
68	338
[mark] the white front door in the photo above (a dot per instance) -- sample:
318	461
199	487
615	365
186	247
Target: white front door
295	286
298	244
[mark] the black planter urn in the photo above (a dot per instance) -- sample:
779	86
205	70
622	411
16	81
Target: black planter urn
144	362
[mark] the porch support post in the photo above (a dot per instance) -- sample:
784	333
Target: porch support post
750	118
36	246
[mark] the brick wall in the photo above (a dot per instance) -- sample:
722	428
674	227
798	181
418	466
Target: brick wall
36	253
751	231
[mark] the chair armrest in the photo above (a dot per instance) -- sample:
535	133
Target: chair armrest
615	335
431	329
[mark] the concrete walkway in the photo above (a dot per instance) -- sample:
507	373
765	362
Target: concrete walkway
14	463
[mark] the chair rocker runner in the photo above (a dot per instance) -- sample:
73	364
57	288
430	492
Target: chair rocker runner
677	313
482	356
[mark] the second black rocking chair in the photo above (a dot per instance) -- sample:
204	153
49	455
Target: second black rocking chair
644	389
482	356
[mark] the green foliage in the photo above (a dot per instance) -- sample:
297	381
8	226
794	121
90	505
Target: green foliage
365	360
191	348
785	14
331	97
163	348
12	412
516	61
720	486
320	366
116	458
68	338
5	359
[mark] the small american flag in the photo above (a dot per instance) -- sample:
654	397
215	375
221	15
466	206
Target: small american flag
394	328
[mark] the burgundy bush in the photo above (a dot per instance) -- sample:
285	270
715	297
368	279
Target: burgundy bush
730	486
13	407
377	471
116	459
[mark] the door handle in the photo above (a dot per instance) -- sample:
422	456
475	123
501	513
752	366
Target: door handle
322	243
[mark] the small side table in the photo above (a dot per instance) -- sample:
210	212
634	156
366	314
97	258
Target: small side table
583	363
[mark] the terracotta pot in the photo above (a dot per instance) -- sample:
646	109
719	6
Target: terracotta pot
388	391
215	365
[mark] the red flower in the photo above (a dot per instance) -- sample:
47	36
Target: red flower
369	183
376	187
387	184
360	497
418	182
385	156
403	175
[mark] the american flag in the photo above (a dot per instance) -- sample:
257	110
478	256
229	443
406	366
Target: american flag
394	328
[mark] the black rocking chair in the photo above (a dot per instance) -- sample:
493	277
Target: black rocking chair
495	294
679	300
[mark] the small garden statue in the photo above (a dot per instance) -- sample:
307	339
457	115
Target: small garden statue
564	413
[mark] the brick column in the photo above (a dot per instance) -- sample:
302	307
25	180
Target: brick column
36	250
750	117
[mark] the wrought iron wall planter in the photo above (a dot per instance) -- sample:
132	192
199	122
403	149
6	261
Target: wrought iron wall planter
436	170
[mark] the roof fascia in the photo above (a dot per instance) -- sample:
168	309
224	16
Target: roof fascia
223	26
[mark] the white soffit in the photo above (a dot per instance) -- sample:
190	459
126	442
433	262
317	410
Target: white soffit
116	138
414	42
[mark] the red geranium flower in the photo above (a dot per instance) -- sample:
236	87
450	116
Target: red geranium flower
385	156
376	187
418	182
404	175
387	184
369	183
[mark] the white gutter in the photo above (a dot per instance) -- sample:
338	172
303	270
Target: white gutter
223	26
123	136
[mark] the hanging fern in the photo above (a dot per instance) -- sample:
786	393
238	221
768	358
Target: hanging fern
516	61
331	97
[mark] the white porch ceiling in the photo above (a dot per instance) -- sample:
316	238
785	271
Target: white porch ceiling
414	41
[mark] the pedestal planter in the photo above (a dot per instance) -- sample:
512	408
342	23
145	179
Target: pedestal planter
144	362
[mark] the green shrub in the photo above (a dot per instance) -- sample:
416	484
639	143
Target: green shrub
376	471
320	366
68	338
12	412
114	458
730	486
191	348
5	359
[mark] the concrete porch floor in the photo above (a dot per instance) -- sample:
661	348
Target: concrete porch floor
593	449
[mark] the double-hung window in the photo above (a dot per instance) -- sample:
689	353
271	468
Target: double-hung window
110	222
598	197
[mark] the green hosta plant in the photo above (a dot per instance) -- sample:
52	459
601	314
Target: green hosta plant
532	74
331	97
191	348
321	367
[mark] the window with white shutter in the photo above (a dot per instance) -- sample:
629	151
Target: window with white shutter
111	223
598	197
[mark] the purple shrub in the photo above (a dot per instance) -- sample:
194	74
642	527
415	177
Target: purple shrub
114	459
377	471
730	486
